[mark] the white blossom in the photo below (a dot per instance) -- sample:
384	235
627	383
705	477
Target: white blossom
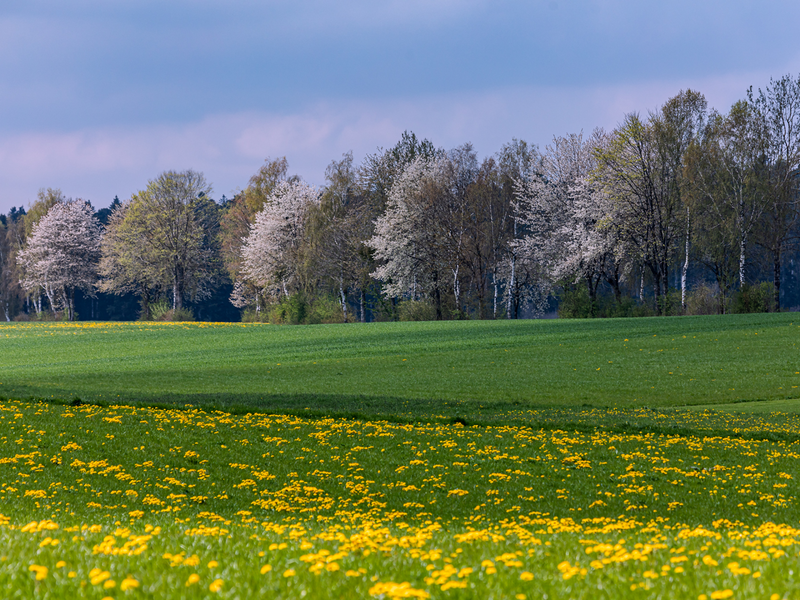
270	253
62	253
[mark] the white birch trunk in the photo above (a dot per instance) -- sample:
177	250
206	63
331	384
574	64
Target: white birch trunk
685	265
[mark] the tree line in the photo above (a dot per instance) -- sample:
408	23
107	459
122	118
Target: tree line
683	211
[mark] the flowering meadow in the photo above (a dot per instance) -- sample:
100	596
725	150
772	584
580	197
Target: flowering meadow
141	502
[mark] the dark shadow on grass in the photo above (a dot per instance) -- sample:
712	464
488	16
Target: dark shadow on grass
462	413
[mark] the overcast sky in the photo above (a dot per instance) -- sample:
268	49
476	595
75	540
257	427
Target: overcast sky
98	97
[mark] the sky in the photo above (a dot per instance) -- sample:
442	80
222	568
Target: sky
98	97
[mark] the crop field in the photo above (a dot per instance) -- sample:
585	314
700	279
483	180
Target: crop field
453	368
456	494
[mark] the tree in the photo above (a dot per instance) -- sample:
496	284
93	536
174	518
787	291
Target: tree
566	214
104	214
125	263
12	241
420	240
723	189
408	250
640	171
170	232
272	254
380	171
46	198
516	160
237	219
338	227
778	108
61	254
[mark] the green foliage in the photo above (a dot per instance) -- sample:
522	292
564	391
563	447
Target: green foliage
162	311
158	310
297	309
574	303
179	315
703	300
416	310
325	309
759	298
289	311
251	315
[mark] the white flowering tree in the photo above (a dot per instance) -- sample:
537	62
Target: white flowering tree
61	254
272	252
567	216
417	256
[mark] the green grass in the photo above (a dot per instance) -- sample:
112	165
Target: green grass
479	460
451	369
285	507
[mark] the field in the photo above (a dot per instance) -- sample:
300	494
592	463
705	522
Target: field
491	483
453	368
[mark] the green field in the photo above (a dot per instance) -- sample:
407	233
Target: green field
453	368
434	460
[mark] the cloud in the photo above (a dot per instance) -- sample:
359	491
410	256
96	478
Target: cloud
99	163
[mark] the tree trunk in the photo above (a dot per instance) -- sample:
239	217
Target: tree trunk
437	296
363	302
144	304
177	300
494	300
592	286
343	299
742	247
512	282
457	288
656	289
641	286
685	270
776	274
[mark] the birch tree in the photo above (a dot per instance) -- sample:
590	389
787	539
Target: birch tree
724	189
778	108
640	170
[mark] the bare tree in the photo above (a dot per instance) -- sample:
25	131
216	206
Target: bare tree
778	107
724	190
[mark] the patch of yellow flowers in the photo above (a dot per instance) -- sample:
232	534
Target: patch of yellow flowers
245	504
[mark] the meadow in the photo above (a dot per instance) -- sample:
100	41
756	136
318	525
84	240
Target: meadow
320	492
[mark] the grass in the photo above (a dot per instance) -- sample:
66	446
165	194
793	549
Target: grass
452	369
127	502
478	460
